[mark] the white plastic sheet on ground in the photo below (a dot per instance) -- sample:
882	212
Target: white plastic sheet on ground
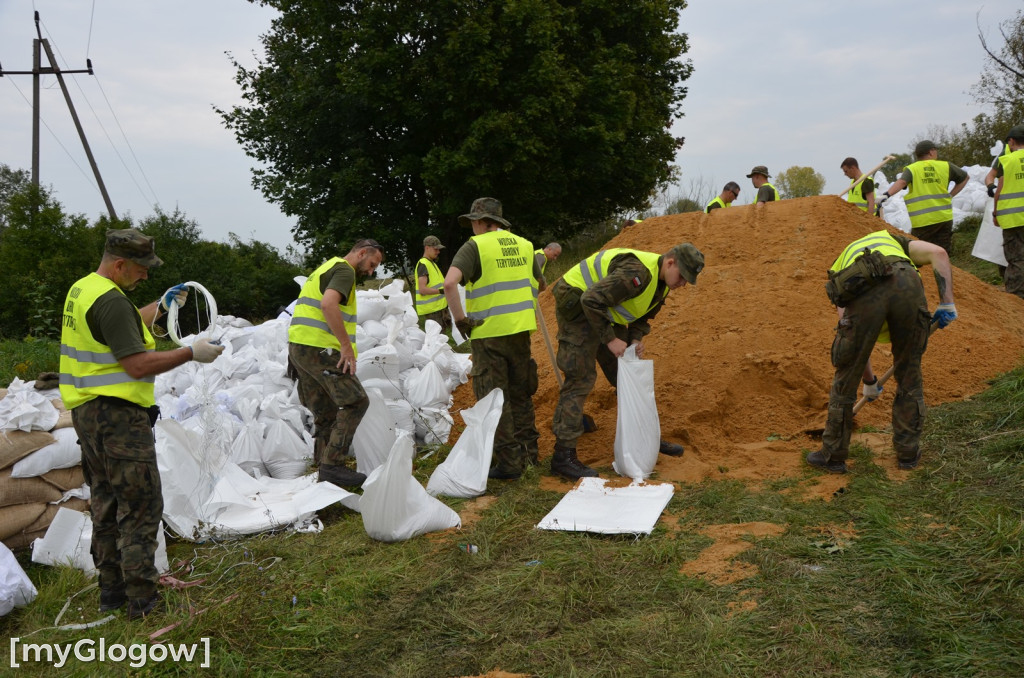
989	243
637	429
16	589
68	540
464	472
592	506
395	506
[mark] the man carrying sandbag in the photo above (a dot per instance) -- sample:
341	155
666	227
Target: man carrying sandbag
108	361
322	357
603	306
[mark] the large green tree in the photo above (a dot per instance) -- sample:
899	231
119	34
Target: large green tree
799	182
386	119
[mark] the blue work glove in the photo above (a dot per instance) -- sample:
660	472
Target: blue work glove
178	293
872	391
944	314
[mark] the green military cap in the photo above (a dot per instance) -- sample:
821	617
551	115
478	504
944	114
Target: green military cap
133	245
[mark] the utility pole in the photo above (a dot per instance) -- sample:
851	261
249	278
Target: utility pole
54	69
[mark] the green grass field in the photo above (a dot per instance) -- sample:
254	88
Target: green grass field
923	577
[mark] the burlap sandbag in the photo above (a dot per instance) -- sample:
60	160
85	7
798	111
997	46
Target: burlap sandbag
64	420
65	479
37	528
23	540
14	491
16	445
17	518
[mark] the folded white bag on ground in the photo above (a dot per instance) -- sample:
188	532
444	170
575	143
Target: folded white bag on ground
16	589
395	506
464	472
637	429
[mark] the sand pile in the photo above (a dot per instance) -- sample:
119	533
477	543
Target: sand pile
742	360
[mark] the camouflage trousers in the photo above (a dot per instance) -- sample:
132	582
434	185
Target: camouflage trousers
119	464
579	348
337	401
505	363
442	318
940	234
1013	250
899	300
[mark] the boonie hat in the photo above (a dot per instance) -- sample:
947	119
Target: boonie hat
1016	132
484	208
923	147
433	241
759	169
690	261
133	245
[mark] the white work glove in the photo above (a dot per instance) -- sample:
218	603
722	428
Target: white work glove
205	351
872	391
178	294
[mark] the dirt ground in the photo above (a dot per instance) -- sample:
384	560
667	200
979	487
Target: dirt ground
742	367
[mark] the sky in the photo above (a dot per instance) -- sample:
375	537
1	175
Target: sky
803	83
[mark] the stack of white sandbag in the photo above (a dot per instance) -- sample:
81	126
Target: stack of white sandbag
40	463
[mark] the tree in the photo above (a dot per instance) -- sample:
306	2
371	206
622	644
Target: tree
799	182
11	181
389	118
894	167
1002	81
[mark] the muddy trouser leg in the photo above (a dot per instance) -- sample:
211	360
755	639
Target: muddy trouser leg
851	350
522	386
491	370
909	322
123	460
305	362
1013	250
577	351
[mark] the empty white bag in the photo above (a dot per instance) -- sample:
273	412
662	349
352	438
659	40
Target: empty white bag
395	506
16	589
637	429
375	435
464	472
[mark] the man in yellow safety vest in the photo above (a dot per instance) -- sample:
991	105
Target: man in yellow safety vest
1009	210
430	301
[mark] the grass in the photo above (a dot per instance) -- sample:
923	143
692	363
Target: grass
917	578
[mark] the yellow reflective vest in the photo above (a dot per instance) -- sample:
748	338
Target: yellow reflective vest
717	201
505	294
593	269
775	192
1010	206
928	200
542	258
426	305
856	194
308	326
88	369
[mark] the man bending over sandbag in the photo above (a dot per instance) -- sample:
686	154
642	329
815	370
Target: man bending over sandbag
604	305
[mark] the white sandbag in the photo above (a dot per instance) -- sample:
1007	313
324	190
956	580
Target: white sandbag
64	453
285	453
375	435
433	424
637	429
989	243
247	445
68	540
364	342
402	411
395	506
16	589
464	472
375	329
27	410
413	338
370	306
279	406
427	388
378	363
390	390
395	287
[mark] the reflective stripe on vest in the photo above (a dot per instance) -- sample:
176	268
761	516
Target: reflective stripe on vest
928	201
717	201
593	269
427	305
856	194
880	241
1010	206
505	294
308	326
88	368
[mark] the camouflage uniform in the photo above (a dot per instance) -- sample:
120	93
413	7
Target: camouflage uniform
119	464
337	401
900	300
584	329
505	363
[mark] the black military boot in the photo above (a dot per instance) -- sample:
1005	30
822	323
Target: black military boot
111	599
818	460
143	607
671	449
342	476
565	463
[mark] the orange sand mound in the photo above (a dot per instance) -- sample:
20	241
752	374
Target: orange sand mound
742	359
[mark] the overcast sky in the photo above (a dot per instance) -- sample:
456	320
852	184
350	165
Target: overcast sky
778	84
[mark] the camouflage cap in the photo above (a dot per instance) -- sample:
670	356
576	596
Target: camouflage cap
690	261
484	208
759	169
433	241
133	245
924	147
